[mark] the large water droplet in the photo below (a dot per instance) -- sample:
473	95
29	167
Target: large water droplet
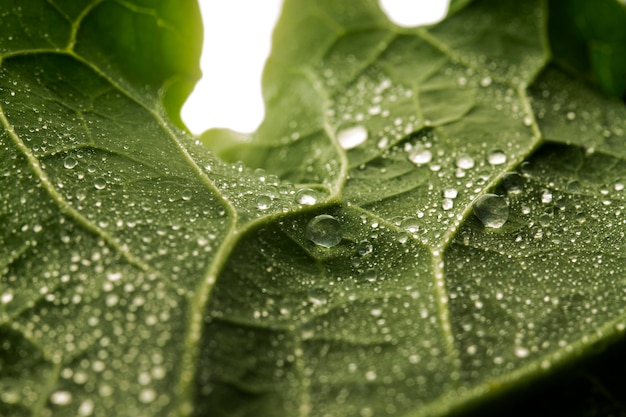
352	137
306	196
70	162
61	397
324	230
492	210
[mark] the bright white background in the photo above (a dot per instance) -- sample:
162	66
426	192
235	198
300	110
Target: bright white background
237	35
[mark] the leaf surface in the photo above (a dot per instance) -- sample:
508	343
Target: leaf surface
142	276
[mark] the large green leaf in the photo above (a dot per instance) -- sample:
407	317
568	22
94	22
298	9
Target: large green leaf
142	276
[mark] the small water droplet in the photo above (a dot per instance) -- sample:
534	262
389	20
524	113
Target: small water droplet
546	196
486	81
324	230
61	397
370	275
574	187
450	193
496	157
521	352
464	162
263	202
447	204
410	224
70	162
352	137
100	183
420	156
306	196
528	121
513	183
317	296
364	248
147	395
86	408
6	297
492	210
186	195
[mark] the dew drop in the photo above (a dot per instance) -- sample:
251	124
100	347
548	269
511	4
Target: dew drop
574	187
263	202
450	193
306	196
70	162
352	137
546	196
364	248
447	204
61	397
464	162
496	157
324	230
420	156
100	183
147	395
6	297
410	224
486	81
86	408
513	183
186	195
521	352
317	296
492	210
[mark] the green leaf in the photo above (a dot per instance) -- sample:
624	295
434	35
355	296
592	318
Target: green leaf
143	276
589	37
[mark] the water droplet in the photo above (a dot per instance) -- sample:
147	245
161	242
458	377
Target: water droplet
496	157
263	202
61	397
447	204
546	196
370	275
574	187
352	137
317	296
186	195
492	210
70	162
464	162
410	224
486	81
86	408
364	248
100	183
324	230
370	375
450	193
528	121
306	196
420	156
6	297
147	395
521	352
513	183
